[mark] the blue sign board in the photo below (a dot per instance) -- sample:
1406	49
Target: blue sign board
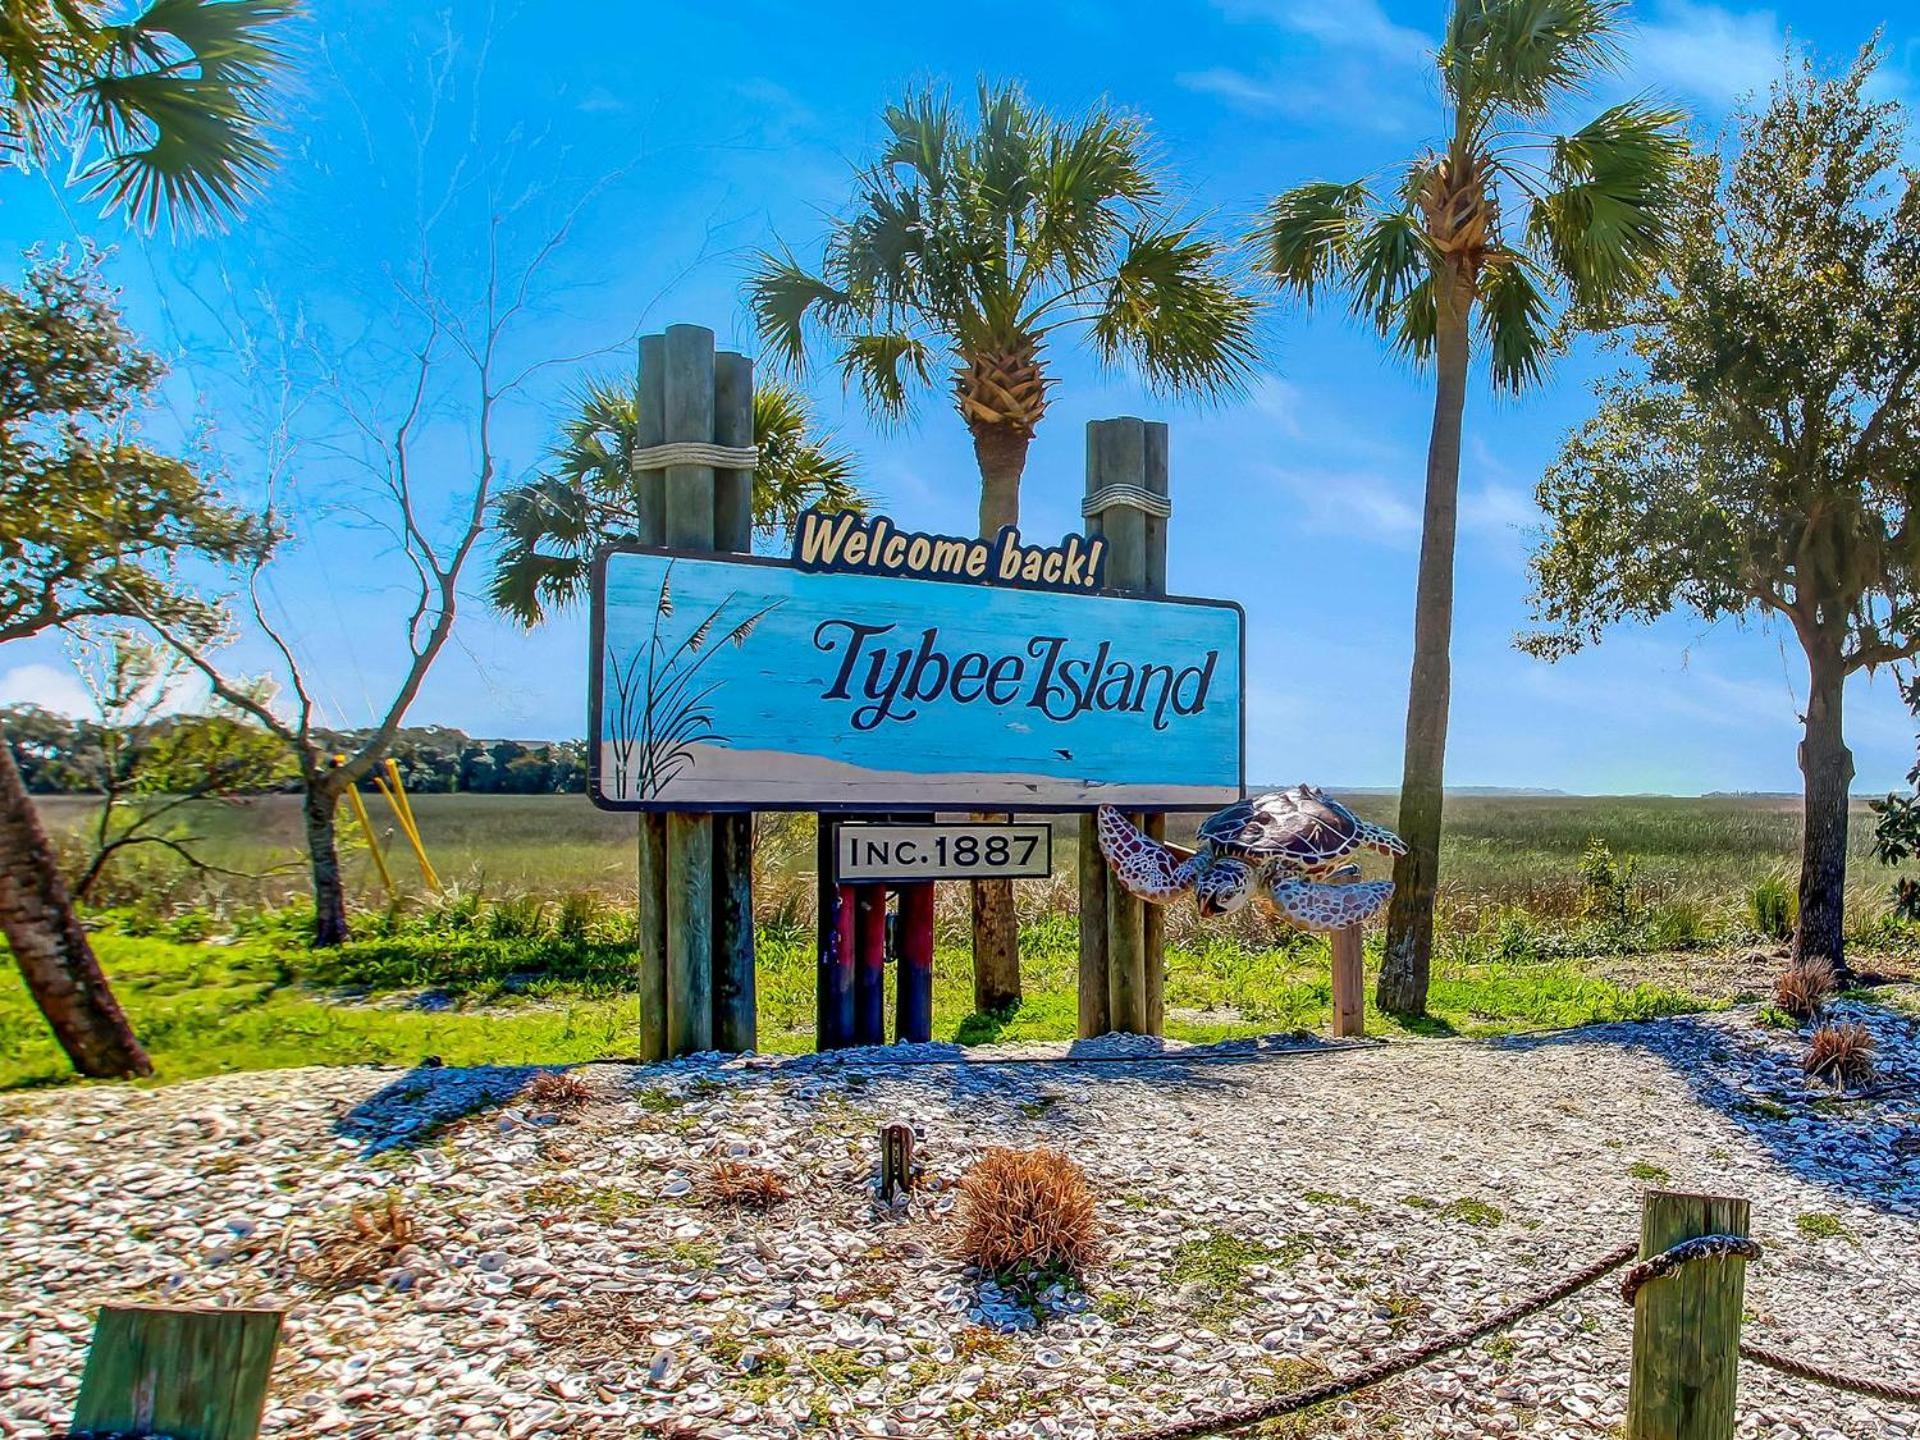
734	682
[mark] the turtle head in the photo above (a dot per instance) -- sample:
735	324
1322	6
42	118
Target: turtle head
1223	886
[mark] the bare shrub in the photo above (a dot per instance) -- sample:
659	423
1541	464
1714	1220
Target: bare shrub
1031	1209
736	1185
1841	1055
1803	991
558	1090
367	1243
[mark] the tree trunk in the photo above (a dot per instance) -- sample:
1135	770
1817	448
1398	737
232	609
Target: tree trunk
1827	767
56	961
323	859
1409	949
1002	454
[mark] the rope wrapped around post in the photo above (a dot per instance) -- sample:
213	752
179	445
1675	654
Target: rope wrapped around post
696	452
1705	1247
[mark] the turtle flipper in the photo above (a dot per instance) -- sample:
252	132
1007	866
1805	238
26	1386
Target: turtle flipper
1315	906
1141	864
1377	837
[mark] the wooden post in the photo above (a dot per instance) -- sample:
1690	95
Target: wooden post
896	1161
190	1374
870	965
651	937
839	994
1349	983
1126	960
1126	460
689	524
1096	1013
735	1003
1686	1326
913	978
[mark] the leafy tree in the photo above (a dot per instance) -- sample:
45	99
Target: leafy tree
548	529
157	114
154	768
975	242
1760	456
93	523
1487	236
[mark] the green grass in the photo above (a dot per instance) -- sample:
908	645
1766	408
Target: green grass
531	948
263	1000
1819	1225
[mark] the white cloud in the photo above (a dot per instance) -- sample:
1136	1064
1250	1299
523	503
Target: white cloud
1706	51
1356	25
48	686
1343	96
1350	503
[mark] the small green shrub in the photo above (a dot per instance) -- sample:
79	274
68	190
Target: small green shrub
1611	886
1819	1225
520	917
1650	1173
1677	924
578	915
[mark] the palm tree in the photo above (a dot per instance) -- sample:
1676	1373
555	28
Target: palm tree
548	528
158	114
974	243
1435	259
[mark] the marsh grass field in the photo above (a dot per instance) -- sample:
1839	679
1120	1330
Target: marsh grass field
1555	910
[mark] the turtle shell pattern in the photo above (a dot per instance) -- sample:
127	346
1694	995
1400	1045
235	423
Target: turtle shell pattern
1302	828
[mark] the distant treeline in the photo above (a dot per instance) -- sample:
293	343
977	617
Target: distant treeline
58	755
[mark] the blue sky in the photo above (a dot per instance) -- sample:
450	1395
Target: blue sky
711	131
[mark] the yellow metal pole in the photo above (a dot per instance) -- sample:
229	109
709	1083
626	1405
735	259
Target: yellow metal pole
373	841
396	794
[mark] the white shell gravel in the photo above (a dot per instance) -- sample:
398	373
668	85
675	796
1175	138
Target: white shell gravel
832	1315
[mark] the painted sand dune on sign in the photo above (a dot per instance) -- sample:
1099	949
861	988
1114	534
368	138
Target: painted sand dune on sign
775	779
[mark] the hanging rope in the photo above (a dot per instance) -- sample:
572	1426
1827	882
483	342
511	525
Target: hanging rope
1834	1379
1381	1370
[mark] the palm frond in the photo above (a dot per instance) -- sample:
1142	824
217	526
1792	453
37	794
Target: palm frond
1389	260
887	368
1516	320
1174	306
1612	195
175	99
784	296
1524	55
1307	235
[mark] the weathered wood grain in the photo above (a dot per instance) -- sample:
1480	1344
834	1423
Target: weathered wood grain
1686	1326
190	1374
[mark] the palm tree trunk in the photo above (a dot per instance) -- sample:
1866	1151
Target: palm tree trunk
1404	971
1826	765
56	961
1002	454
323	860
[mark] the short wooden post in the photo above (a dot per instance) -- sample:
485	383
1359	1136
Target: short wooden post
1122	945
1349	984
735	1001
650	429
1686	1326
896	1161
913	978
870	965
190	1374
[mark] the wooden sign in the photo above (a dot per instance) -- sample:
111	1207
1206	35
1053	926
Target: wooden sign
902	854
896	1161
849	544
735	682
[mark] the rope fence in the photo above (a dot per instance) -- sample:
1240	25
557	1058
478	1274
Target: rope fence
1664	1264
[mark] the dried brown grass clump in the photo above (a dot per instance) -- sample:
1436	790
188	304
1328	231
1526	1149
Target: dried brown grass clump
1841	1055
368	1243
1803	991
1028	1208
558	1090
736	1185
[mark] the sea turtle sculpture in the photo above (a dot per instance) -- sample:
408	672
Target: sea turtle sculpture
1283	848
